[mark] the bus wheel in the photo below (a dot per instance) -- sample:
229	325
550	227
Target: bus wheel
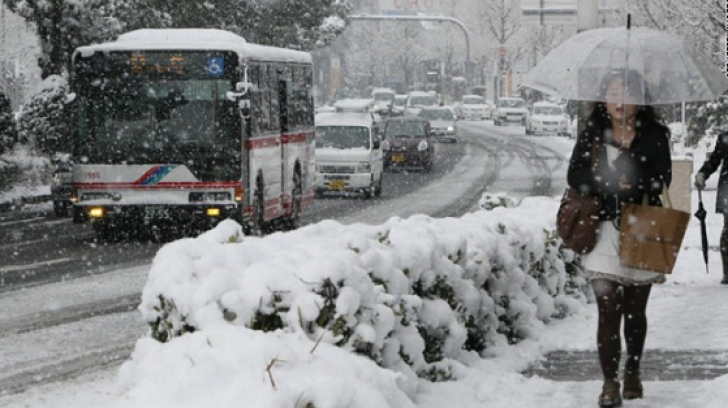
297	196
259	208
104	233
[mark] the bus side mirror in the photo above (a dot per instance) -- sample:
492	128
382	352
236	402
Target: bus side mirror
241	90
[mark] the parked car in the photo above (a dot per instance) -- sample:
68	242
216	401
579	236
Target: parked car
416	100
61	188
443	125
546	117
408	143
510	111
348	154
473	107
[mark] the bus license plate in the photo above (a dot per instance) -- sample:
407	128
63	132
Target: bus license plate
398	158
156	213
337	184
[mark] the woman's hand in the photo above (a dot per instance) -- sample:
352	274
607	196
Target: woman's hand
624	184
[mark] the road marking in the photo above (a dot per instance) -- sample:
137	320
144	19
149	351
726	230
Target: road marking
35	265
25	221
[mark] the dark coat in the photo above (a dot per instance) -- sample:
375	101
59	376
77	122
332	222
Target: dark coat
646	164
712	162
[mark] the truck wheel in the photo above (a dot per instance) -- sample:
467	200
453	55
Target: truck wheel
378	191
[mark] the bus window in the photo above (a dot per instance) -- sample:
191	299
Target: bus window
274	99
263	100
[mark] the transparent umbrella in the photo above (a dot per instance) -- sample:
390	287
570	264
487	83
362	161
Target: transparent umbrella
672	72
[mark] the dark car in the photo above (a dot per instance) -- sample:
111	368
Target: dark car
408	143
442	122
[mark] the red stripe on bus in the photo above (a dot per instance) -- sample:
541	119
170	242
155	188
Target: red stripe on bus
294	138
262	142
147	174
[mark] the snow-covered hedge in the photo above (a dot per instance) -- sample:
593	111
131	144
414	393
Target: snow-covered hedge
22	170
410	294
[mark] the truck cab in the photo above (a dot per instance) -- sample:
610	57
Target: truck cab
349	158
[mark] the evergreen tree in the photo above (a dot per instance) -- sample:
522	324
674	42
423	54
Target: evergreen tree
45	122
8	133
63	25
302	25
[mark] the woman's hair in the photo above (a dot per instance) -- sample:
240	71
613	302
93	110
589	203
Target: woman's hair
646	114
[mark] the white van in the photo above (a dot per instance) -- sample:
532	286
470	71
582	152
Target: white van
349	156
416	100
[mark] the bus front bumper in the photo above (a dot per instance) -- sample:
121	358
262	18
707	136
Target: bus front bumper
201	217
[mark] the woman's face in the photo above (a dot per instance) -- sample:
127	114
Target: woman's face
620	104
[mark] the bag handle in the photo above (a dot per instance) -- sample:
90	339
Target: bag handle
665	194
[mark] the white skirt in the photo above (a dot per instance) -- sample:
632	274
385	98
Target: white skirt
603	261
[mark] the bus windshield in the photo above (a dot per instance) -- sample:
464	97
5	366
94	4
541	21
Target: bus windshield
342	137
157	119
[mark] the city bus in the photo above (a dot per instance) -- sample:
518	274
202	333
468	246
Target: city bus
181	128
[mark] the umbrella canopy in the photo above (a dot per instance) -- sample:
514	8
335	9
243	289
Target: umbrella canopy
672	72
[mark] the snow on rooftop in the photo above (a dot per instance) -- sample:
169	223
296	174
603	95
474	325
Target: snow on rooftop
343	119
194	39
175	35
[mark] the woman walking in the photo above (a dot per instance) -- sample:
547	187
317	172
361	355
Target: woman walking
632	161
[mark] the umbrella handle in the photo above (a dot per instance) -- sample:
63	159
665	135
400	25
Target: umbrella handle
629	21
700	195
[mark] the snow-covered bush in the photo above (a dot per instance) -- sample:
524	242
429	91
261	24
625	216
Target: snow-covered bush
414	295
22	169
8	131
45	121
706	119
490	201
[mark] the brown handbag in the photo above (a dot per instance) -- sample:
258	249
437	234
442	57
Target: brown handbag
576	221
650	237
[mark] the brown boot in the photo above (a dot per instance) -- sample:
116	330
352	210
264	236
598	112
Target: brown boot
610	395
632	385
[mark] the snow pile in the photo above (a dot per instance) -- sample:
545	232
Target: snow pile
417	296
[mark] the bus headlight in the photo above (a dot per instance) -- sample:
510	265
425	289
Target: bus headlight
96	212
213	212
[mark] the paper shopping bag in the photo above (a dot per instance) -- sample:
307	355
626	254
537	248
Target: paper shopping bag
651	236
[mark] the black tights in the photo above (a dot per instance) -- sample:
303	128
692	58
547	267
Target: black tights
614	301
